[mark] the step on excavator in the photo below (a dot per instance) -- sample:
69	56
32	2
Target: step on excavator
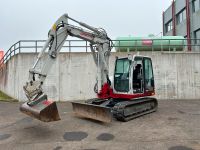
128	95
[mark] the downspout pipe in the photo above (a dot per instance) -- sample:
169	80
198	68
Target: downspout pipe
188	25
174	18
163	21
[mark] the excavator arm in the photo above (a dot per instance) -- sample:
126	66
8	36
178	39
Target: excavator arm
99	45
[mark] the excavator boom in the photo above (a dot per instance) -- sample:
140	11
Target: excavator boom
38	105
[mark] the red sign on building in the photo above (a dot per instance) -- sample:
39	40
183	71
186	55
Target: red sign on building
147	42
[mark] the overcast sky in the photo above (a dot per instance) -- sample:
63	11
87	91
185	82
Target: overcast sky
32	19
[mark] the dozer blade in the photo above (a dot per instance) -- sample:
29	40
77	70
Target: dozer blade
91	111
41	109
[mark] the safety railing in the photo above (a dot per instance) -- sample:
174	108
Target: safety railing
35	46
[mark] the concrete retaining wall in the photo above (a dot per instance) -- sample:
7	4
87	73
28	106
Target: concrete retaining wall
72	77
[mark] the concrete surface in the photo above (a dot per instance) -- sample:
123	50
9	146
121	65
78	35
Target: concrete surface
175	126
73	75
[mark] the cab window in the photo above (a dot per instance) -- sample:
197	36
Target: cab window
148	74
121	77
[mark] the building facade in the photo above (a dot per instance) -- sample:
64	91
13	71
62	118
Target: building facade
183	18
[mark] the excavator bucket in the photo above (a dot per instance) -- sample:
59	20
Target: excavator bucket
91	111
41	109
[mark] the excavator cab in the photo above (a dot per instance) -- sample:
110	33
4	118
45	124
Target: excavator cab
134	75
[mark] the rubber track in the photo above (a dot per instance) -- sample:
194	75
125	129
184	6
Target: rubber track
120	109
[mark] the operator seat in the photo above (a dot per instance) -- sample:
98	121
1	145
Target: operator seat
137	77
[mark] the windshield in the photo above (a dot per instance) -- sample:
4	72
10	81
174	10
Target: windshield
122	66
121	78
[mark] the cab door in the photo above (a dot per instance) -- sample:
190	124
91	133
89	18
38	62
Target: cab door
138	75
148	76
121	75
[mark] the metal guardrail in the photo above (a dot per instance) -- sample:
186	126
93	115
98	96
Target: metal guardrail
34	46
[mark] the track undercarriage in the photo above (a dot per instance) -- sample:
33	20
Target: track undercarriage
122	110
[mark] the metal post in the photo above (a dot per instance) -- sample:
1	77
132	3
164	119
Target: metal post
69	46
136	45
10	52
199	44
14	48
119	46
36	46
19	46
86	46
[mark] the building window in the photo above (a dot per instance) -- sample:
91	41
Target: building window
196	5
181	16
197	36
168	26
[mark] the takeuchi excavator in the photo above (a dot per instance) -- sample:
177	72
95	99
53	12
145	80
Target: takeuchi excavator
128	95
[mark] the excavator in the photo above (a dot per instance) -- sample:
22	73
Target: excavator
128	95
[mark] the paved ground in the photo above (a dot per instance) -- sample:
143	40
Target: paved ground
175	126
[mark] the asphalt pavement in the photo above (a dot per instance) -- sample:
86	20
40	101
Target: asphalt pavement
175	126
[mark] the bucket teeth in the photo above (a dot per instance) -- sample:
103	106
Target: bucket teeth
42	109
91	111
